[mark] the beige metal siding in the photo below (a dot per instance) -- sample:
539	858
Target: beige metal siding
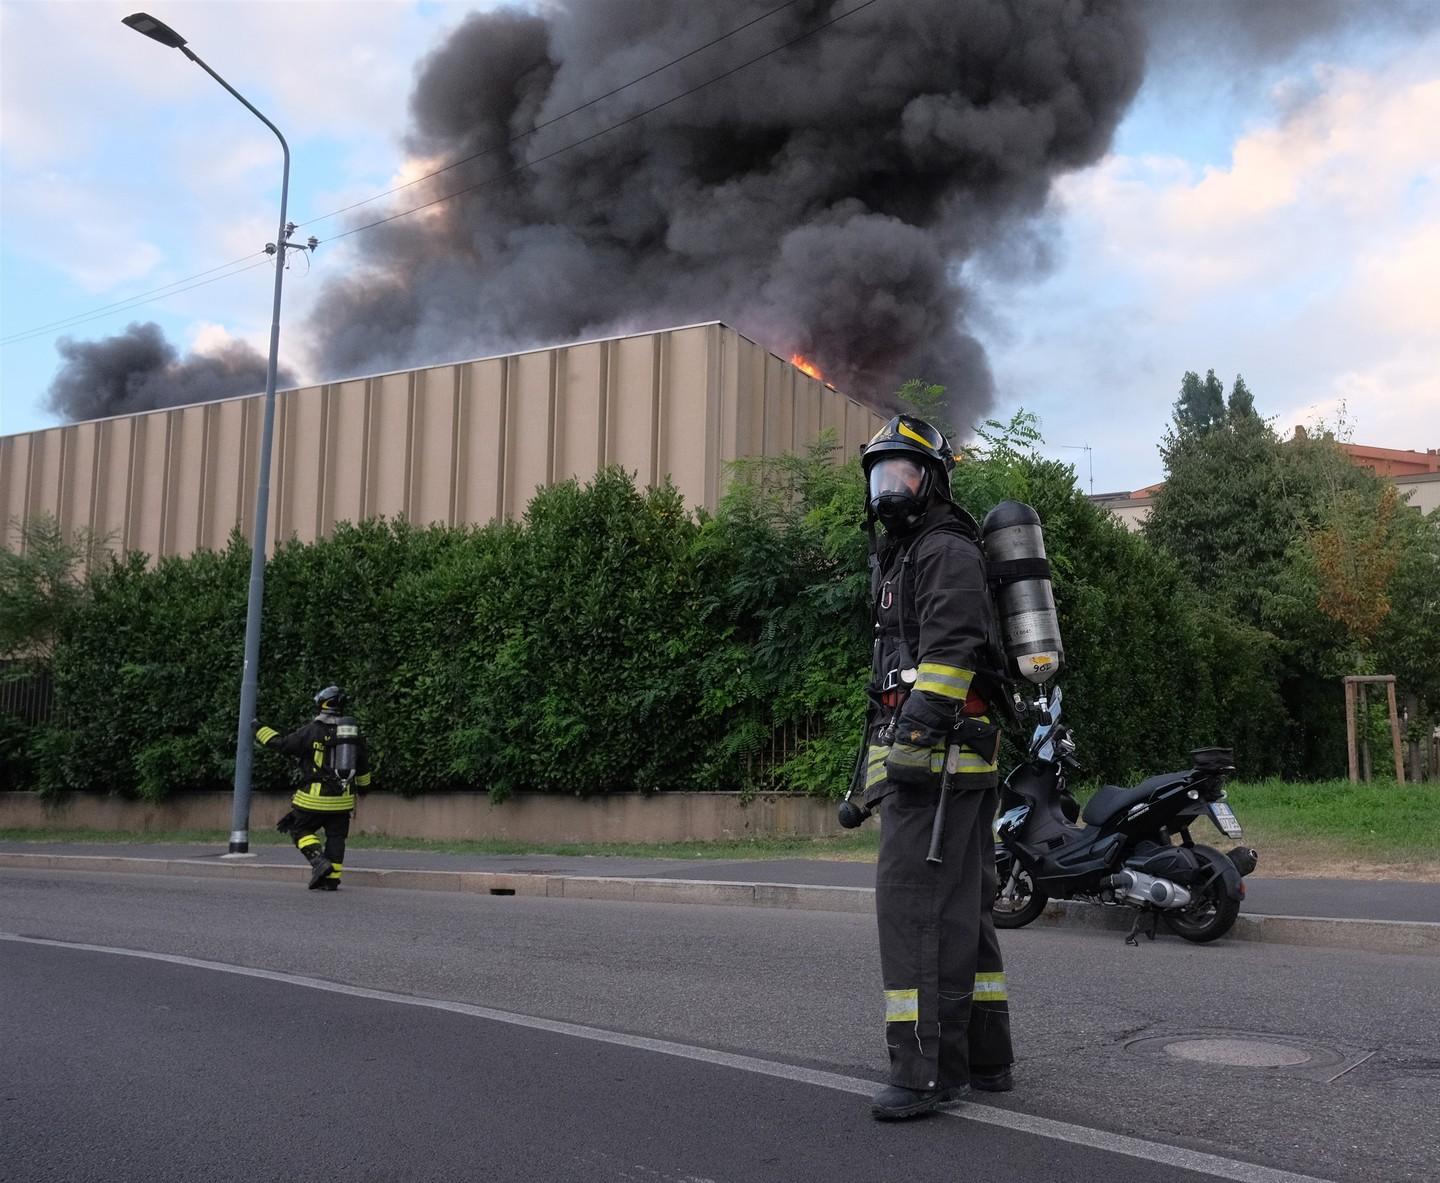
455	443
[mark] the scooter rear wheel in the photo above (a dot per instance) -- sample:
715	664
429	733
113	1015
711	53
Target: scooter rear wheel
1211	913
1021	905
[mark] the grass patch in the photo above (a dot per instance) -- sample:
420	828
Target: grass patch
1381	822
860	845
1313	827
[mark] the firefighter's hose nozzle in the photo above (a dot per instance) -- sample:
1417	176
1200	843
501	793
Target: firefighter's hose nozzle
851	815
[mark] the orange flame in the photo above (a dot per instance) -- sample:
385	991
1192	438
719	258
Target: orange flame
806	366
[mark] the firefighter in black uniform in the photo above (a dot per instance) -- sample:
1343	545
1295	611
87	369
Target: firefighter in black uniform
332	746
937	673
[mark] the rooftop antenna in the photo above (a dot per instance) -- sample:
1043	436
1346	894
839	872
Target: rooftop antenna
1089	460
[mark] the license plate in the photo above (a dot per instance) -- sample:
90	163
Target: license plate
1225	818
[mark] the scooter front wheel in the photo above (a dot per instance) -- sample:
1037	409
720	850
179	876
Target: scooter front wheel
1017	902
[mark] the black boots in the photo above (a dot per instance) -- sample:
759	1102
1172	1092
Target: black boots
992	1080
894	1103
320	867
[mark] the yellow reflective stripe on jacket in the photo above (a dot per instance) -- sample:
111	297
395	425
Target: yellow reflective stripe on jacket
363	780
266	734
973	764
948	681
875	764
317	802
991	988
902	1006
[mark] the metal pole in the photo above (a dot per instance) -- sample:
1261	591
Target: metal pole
249	682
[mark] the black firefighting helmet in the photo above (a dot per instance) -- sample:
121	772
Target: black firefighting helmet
906	463
332	699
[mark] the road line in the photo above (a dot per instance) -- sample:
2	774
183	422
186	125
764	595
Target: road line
1043	1127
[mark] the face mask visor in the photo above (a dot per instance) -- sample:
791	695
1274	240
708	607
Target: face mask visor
896	477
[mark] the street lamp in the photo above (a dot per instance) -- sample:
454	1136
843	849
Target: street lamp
244	741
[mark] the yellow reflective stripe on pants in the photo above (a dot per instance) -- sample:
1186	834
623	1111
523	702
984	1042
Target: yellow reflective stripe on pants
991	988
335	869
307	841
949	681
902	1006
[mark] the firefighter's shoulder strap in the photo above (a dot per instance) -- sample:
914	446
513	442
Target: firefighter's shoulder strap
962	524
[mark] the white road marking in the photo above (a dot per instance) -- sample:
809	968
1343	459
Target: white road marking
1154	1152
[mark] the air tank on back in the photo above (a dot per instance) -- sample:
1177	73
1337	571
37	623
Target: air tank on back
1029	627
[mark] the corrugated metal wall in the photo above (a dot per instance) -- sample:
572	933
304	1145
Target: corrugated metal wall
454	443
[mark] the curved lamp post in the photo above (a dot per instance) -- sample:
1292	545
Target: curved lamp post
244	741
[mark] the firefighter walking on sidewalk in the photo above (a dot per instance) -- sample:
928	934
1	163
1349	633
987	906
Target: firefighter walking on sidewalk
333	749
937	673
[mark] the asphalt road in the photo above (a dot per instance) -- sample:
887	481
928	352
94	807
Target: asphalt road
1361	899
121	1068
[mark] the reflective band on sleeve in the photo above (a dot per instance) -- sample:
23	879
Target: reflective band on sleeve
991	988
875	766
363	780
948	681
266	734
906	755
902	1006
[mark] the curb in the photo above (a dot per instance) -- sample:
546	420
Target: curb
1320	932
1374	936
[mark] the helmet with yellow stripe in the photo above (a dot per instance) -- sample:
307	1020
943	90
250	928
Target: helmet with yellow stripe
907	463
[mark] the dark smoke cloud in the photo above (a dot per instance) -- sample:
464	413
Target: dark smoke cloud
825	200
138	370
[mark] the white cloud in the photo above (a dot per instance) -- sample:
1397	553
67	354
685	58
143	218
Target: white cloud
1309	261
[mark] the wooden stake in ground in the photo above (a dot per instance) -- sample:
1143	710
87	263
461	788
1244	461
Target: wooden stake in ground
1357	701
1350	732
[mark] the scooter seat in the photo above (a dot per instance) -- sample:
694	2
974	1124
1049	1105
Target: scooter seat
1112	799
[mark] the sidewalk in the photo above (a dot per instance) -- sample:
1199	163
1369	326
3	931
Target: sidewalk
1345	899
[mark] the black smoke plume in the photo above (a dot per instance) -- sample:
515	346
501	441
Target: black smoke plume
138	370
824	200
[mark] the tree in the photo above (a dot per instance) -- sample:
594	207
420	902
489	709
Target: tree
926	400
41	584
1201	404
1242	402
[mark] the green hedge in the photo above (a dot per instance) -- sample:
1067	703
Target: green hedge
613	640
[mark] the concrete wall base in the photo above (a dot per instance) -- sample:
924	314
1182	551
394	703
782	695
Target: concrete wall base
526	817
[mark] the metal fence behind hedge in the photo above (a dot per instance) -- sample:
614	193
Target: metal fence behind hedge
29	696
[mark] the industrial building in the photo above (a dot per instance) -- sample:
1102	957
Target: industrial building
465	442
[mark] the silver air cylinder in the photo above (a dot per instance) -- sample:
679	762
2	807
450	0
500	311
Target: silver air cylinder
1029	627
343	755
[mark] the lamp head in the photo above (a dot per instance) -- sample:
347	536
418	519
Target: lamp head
143	22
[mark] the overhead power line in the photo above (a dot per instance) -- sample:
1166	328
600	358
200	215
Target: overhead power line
599	98
606	130
135	302
184	285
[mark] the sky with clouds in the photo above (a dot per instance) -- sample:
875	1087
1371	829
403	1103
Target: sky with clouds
1275	215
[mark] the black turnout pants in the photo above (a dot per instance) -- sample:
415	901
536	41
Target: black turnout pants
336	826
946	1006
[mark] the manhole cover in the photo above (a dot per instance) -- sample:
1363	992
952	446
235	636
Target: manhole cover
1239	1053
1252	1049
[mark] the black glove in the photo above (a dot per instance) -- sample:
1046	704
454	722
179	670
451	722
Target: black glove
911	764
286	823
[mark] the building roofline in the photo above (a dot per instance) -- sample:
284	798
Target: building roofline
465	361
